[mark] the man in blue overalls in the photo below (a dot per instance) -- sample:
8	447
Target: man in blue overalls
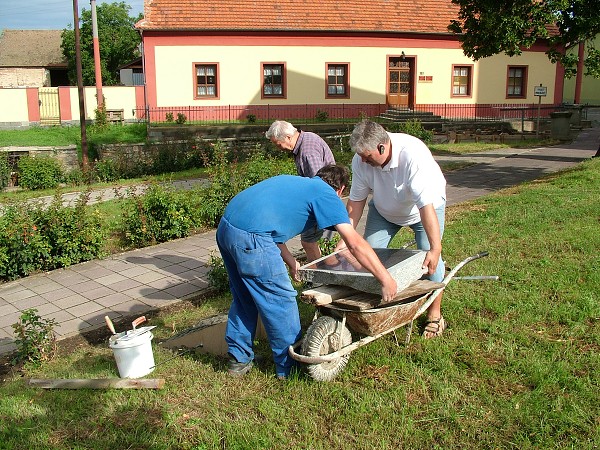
251	237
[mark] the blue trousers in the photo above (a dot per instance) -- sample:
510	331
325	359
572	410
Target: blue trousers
379	232
260	285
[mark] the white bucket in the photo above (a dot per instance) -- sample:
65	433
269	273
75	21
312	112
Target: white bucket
134	356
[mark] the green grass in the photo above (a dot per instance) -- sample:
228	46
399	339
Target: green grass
462	148
518	368
62	136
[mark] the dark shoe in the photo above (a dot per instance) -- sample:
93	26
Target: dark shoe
237	369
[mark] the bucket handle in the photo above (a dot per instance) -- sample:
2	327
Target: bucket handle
138	321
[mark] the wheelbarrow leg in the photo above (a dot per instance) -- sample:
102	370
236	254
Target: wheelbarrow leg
409	327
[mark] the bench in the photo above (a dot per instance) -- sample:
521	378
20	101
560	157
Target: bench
115	115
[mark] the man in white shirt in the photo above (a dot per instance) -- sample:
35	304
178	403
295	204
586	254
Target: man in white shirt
408	189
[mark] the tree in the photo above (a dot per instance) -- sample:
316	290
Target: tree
489	27
119	43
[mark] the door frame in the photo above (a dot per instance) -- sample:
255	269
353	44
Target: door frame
412	63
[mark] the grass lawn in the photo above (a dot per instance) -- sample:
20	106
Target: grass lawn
518	368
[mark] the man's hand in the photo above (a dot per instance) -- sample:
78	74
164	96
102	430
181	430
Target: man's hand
294	271
389	290
432	257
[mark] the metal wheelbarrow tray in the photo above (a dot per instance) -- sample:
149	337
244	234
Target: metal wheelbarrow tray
327	343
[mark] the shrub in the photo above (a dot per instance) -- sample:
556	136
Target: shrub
414	127
181	118
33	237
218	278
35	340
76	177
328	245
73	234
23	249
322	116
169	117
106	170
4	171
251	118
159	215
39	172
101	116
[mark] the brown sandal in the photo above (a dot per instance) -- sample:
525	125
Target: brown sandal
434	328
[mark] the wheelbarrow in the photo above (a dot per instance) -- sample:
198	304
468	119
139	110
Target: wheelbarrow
342	311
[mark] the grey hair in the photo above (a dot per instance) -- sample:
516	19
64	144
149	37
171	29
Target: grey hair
366	136
279	130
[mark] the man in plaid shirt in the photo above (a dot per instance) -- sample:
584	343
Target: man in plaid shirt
311	153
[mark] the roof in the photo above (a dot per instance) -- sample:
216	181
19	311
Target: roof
397	16
31	48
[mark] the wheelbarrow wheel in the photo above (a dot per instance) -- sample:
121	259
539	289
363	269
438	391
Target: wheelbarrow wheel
320	339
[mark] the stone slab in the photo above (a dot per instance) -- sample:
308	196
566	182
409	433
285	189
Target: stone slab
343	269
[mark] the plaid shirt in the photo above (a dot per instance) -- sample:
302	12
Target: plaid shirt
311	153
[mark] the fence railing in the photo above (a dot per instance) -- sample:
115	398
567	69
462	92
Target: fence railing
341	113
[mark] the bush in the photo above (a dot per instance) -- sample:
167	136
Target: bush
218	278
181	118
4	171
251	118
35	340
169	117
73	234
159	215
322	116
33	237
106	171
414	127
76	177
39	172
23	249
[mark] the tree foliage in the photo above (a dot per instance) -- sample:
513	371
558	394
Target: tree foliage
489	27
118	39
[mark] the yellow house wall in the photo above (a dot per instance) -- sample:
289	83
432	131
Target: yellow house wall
17	99
240	77
116	97
590	86
492	75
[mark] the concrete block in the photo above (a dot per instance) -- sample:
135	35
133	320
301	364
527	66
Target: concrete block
343	269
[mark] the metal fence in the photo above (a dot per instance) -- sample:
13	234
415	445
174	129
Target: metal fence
342	113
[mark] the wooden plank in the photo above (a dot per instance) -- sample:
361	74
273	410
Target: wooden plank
325	294
416	288
358	302
98	383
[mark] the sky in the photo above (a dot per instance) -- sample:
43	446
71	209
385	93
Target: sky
49	14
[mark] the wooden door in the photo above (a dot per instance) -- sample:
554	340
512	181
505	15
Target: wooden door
399	82
49	106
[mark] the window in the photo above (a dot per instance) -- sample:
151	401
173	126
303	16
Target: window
461	81
207	81
516	82
273	84
337	80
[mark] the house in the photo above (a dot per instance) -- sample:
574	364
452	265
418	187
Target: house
132	73
589	90
291	58
32	58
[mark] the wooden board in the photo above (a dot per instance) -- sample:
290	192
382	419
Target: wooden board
99	383
326	294
348	298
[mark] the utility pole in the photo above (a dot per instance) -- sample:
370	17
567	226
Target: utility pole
97	67
84	147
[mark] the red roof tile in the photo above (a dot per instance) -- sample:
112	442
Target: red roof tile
412	16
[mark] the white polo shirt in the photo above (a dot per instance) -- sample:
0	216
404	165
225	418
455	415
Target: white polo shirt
411	180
